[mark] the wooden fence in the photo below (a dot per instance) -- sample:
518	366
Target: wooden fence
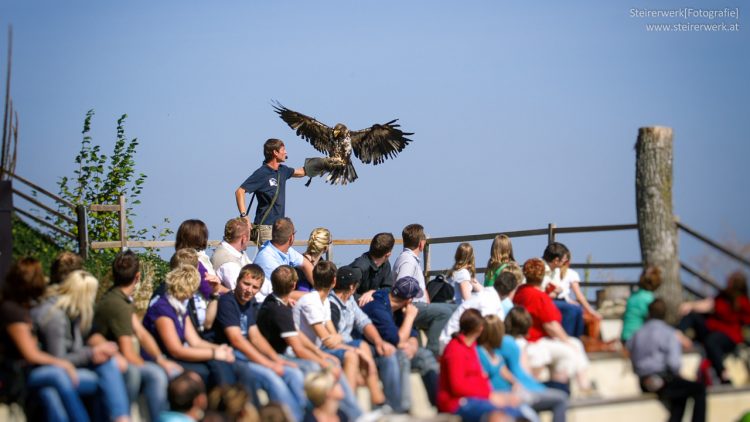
550	232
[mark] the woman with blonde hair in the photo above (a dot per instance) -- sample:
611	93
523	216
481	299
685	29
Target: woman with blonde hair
501	254
324	393
168	322
317	245
462	276
49	379
64	320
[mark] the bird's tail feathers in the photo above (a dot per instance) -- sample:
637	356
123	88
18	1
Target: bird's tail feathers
341	175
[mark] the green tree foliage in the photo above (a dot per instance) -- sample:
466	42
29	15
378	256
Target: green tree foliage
102	179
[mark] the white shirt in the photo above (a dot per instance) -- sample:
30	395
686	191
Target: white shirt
455	279
550	276
206	261
311	310
571	276
229	271
409	264
487	302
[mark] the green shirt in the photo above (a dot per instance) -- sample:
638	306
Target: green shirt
636	312
113	315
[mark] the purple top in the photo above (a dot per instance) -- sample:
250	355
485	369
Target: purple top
162	308
204	288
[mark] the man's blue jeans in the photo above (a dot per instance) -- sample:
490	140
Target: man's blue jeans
107	383
151	381
390	376
288	389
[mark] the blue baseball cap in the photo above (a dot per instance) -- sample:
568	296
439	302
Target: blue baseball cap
407	288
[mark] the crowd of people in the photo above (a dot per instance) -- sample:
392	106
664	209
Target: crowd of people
222	328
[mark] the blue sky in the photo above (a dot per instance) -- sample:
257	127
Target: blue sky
525	113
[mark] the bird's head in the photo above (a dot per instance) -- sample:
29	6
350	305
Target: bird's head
340	131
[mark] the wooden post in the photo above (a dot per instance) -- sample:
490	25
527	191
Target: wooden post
123	224
551	233
83	234
657	230
426	256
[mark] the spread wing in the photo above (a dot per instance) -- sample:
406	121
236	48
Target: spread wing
379	142
309	129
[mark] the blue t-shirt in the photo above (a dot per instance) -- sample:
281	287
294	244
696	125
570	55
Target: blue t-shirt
231	314
263	183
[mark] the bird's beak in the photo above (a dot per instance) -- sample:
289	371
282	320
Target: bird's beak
336	133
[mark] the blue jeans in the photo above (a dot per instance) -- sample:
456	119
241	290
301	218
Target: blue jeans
432	318
57	394
105	382
388	369
474	410
151	381
213	372
572	317
288	389
348	405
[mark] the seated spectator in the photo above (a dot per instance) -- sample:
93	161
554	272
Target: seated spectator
493	363
53	380
488	302
275	321
65	263
720	330
462	276
64	320
513	351
229	258
636	309
312	314
375	267
431	317
570	283
349	319
656	355
555	257
501	254
393	314
116	321
193	234
235	325
278	251
166	319
317	245
187	399
325	395
549	344
464	387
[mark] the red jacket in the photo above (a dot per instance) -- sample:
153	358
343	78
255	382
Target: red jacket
541	308
728	320
461	375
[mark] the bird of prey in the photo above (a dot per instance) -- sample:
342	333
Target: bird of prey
371	145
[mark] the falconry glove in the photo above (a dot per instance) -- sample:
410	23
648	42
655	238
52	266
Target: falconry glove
315	167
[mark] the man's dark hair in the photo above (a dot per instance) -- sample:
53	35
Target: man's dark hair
323	275
381	244
412	235
657	309
505	283
253	270
282	230
272	145
183	390
283	280
555	250
124	268
518	321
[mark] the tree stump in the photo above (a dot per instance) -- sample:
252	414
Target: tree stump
657	231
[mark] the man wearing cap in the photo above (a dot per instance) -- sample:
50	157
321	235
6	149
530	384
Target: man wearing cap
393	314
432	317
350	319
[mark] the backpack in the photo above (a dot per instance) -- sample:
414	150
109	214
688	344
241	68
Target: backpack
440	291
